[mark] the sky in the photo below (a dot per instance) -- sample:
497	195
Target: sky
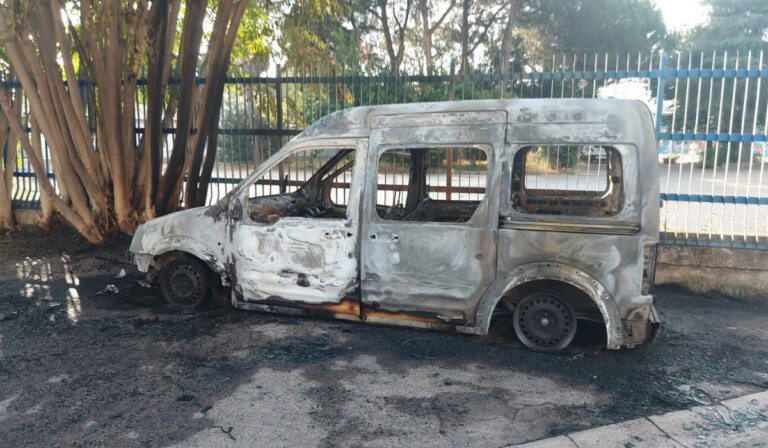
682	14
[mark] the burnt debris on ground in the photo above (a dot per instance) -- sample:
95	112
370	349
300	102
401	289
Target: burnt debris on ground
78	368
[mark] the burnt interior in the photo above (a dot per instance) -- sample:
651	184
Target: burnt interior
312	199
418	205
552	201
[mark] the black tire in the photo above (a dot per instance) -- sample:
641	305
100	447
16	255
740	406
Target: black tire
545	322
185	282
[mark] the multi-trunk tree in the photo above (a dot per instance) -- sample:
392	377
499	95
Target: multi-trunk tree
107	179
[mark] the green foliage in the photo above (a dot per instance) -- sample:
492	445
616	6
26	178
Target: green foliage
563	157
553	157
719	154
602	26
733	25
253	37
734	29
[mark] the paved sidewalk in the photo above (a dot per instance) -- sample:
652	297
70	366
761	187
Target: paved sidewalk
739	422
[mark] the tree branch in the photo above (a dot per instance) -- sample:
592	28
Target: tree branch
439	22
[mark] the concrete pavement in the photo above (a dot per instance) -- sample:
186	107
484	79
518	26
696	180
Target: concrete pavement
739	422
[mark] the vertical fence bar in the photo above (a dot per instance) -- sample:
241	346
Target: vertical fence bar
683	144
452	81
761	156
706	146
660	93
279	124
741	149
671	206
717	142
728	149
449	151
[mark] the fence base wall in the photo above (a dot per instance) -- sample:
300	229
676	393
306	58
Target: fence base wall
736	273
26	217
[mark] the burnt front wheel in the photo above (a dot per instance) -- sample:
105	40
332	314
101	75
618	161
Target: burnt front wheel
545	322
184	281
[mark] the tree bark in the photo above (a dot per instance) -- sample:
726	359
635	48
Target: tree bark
7	220
213	131
170	185
151	153
427	38
464	37
85	225
430	30
395	57
105	180
506	41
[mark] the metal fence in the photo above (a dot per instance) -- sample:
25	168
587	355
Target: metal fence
711	124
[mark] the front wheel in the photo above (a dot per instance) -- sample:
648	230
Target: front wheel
545	322
184	281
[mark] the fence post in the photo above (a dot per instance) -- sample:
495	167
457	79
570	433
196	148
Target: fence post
279	101
449	151
660	94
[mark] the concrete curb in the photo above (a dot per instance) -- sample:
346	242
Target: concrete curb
738	422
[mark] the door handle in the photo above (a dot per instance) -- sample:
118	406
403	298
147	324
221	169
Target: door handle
392	238
336	234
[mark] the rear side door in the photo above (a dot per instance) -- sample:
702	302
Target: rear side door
430	215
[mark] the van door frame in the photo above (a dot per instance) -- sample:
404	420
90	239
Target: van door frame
268	300
385	295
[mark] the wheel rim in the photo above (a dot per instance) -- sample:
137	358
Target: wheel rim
545	322
184	285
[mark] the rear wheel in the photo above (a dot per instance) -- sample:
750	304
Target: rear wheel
184	281
545	322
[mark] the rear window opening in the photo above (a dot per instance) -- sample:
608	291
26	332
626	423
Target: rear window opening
567	180
431	184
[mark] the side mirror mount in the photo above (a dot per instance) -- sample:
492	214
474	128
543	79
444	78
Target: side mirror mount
237	211
283	184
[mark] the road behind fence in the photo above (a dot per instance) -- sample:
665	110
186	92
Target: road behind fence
711	131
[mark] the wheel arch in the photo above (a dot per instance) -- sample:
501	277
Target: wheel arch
556	272
169	248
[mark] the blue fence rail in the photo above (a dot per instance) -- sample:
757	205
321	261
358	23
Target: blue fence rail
711	113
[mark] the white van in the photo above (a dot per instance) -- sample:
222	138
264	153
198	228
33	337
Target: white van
437	215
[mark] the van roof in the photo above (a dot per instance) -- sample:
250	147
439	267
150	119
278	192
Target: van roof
567	119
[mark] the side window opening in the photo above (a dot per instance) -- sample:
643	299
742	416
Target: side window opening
431	184
312	183
568	180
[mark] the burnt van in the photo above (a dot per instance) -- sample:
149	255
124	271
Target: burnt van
437	215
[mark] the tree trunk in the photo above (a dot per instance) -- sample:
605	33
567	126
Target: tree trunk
45	219
427	41
218	94
506	41
465	5
430	30
161	32
388	38
170	185
7	220
151	153
84	225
